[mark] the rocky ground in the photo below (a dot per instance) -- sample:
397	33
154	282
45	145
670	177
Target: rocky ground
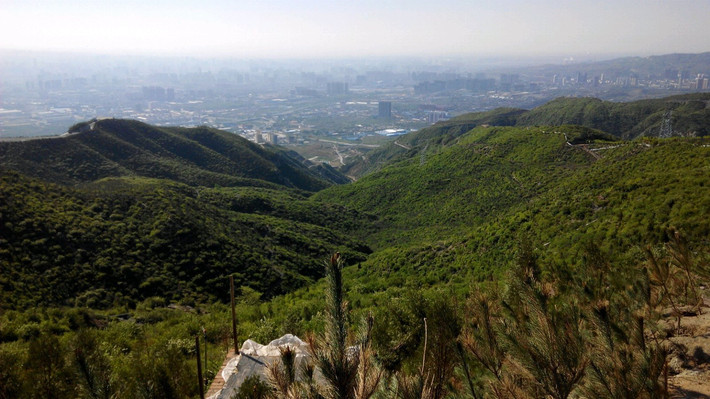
689	362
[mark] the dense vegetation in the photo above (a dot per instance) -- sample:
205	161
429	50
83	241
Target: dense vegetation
120	240
476	222
689	116
198	156
441	134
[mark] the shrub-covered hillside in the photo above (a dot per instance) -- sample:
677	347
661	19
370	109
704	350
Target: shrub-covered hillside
119	240
475	176
688	115
458	214
195	156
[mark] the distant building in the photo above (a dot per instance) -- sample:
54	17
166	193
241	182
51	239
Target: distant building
384	109
337	88
154	93
429	87
436	116
392	132
507	80
581	78
306	92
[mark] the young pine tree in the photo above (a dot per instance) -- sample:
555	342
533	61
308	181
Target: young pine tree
348	373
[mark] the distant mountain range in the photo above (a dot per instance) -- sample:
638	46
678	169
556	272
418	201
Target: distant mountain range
655	65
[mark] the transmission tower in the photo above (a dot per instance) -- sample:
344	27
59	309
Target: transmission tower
666	126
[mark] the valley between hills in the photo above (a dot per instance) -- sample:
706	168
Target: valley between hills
554	252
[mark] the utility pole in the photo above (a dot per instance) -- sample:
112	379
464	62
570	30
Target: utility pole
234	315
199	368
204	335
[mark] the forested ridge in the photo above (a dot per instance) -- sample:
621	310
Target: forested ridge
684	115
196	156
464	206
507	220
120	240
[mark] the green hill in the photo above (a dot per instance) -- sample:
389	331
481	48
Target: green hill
119	240
448	212
430	138
450	187
191	206
120	211
196	156
689	114
459	214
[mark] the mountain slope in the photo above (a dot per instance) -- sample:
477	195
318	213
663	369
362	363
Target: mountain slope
430	138
119	240
460	215
690	114
197	156
475	176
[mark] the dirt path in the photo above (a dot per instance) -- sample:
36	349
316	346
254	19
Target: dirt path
689	363
340	156
406	147
218	382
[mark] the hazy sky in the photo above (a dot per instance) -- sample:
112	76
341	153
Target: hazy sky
333	28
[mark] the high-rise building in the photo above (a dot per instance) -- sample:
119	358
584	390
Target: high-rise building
436	116
337	88
581	78
384	109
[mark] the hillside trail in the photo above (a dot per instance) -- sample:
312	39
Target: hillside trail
218	382
583	147
406	147
689	362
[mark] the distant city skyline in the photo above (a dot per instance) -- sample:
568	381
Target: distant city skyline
327	29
